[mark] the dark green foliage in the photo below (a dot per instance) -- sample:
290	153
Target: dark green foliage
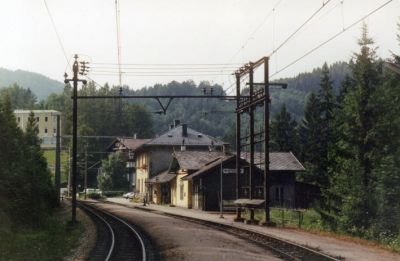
53	241
20	98
310	138
113	176
25	182
354	180
111	194
283	133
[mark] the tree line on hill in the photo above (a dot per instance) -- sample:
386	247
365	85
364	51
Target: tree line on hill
349	141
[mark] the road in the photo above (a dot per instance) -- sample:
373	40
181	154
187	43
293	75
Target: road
182	240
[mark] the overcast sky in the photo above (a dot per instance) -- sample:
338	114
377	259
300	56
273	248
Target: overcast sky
186	32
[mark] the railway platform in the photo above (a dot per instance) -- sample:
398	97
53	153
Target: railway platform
340	247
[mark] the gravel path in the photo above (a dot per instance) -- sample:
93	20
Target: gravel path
88	239
181	240
335	246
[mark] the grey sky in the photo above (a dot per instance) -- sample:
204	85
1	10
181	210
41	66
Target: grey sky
185	32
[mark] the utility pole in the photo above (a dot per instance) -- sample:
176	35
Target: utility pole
251	113
69	172
256	98
266	142
86	169
57	178
221	213
75	80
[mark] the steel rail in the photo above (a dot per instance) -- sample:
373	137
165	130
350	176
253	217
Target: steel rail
143	247
109	227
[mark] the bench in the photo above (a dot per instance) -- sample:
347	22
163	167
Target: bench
251	205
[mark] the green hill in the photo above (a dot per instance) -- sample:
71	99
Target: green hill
39	84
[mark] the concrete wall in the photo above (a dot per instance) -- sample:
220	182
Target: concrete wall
183	191
142	172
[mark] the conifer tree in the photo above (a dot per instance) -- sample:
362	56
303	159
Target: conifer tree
353	179
310	139
283	132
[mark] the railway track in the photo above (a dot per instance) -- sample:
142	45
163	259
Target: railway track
284	249
116	239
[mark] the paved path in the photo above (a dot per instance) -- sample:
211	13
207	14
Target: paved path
331	246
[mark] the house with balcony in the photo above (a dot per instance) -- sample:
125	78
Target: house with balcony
128	148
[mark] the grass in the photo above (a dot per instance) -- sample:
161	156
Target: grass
50	156
53	242
310	221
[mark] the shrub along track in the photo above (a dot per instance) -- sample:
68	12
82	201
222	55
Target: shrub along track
117	239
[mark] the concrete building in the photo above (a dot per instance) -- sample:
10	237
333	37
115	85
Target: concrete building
47	125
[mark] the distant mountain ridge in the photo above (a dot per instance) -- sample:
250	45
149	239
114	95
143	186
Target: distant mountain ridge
42	86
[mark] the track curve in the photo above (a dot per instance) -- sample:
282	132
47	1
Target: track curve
116	239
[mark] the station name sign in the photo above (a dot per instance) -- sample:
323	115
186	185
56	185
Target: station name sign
231	171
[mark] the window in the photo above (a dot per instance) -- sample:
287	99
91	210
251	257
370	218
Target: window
37	119
45	119
54	130
181	187
19	119
45	130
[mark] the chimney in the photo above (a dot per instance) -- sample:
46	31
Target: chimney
183	147
177	123
184	130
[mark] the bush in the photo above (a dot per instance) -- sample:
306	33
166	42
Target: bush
94	196
111	194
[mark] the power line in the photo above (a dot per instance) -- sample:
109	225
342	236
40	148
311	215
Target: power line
117	14
299	28
331	38
170	64
255	30
56	31
169	75
158	72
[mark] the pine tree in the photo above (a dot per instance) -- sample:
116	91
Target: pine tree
283	132
310	139
353	179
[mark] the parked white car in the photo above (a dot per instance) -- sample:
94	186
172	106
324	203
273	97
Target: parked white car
129	195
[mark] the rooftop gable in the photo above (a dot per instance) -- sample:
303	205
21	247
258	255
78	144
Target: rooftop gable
194	160
278	161
175	137
126	143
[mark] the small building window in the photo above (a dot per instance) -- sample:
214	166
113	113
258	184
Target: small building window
45	130
45	119
54	130
37	119
19	119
